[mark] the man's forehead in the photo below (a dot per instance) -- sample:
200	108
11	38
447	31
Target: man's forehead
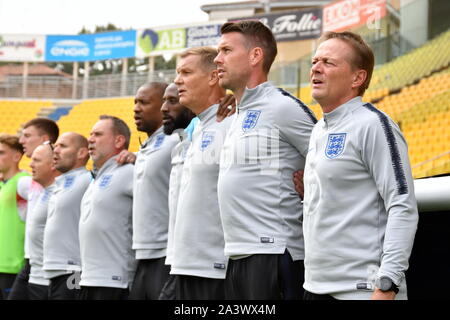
188	62
31	130
66	138
231	38
102	124
171	91
333	48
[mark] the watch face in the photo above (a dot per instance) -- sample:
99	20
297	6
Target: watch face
385	283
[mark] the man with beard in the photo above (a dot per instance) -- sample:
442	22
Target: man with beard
176	118
61	242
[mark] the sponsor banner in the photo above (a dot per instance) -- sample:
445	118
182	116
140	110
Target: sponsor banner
345	14
292	25
22	47
155	42
91	47
203	35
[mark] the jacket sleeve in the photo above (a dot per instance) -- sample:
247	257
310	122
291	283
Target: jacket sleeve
385	153
296	121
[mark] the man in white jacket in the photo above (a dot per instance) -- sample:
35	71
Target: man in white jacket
61	242
360	212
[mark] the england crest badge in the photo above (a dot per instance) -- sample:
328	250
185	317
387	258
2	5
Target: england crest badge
159	141
68	182
105	181
335	145
207	139
250	120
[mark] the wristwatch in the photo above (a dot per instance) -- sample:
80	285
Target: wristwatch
385	284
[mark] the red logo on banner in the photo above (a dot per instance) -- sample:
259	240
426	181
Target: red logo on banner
345	14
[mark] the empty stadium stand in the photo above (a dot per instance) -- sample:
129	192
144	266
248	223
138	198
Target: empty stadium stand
414	89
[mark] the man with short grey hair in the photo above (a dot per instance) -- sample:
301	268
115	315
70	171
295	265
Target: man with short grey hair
198	258
105	231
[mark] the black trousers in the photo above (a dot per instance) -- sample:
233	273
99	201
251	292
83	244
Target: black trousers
6	283
37	292
63	288
198	288
168	290
314	296
265	277
19	290
102	293
150	277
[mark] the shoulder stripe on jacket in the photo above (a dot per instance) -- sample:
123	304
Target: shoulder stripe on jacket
400	177
301	104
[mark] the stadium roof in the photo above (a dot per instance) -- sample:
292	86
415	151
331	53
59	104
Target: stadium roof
34	69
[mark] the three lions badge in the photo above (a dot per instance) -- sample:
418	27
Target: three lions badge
335	145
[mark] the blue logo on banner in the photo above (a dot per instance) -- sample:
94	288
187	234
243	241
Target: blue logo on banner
159	141
91	47
207	139
250	120
68	182
105	181
335	145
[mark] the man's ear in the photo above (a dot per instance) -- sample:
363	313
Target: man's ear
256	56
17	156
359	78
119	141
213	77
82	153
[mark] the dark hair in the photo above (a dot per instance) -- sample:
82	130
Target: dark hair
258	35
12	142
206	54
119	128
363	57
44	126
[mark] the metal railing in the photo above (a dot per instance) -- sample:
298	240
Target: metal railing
58	87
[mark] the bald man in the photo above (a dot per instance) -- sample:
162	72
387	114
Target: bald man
44	173
62	263
150	193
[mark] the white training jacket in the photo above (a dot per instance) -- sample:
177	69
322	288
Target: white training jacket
178	157
360	211
107	259
61	241
198	244
36	220
266	143
150	201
